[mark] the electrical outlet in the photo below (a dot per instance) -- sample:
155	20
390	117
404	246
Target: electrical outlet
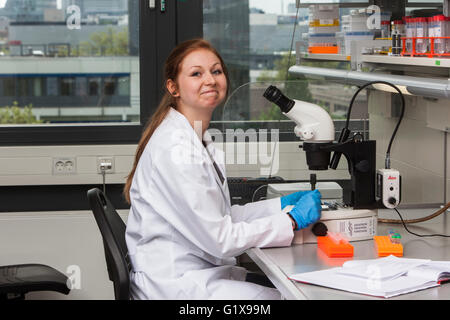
64	166
105	163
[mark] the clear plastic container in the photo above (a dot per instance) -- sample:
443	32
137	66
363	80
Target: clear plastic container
410	32
323	15
438	29
421	31
321	39
385	29
447	34
350	37
399	26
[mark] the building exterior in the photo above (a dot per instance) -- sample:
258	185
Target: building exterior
72	89
95	7
27	10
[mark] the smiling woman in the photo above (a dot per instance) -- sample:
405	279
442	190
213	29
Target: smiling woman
200	86
181	214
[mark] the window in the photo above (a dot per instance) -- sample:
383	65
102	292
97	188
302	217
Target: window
109	86
37	86
123	86
9	87
256	38
79	40
71	58
85	57
94	86
67	86
80	86
52	86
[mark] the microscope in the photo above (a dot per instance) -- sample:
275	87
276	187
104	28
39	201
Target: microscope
357	219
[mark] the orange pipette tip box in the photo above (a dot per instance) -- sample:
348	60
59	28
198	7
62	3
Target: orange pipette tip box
385	247
333	249
324	50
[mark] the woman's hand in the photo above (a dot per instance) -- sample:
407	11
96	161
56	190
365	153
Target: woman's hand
307	210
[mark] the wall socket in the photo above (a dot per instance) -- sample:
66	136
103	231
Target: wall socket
66	165
105	162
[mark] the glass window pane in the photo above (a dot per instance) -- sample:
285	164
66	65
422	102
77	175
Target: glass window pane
23	84
59	55
9	87
123	86
37	86
67	86
80	86
109	86
52	86
254	37
94	86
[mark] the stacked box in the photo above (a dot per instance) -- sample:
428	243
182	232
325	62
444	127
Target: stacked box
354	28
323	25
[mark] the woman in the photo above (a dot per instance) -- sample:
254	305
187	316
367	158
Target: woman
182	232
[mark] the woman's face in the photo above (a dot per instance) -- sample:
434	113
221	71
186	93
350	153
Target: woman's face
201	82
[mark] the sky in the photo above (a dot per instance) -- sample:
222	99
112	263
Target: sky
270	6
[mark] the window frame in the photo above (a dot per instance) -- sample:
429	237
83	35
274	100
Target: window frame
157	37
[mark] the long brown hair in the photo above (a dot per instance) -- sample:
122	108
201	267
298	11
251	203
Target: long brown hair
171	70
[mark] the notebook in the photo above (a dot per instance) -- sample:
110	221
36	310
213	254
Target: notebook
385	277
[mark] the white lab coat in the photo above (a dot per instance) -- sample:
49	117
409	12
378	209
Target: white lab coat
182	232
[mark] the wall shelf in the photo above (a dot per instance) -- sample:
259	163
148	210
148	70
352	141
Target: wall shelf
410	61
329	57
421	86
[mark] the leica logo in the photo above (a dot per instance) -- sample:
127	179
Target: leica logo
392	178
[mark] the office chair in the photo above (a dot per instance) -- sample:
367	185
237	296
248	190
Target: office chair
112	229
18	280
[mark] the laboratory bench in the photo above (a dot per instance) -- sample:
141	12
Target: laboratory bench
279	263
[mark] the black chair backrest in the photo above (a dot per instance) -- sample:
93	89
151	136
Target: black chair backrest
112	229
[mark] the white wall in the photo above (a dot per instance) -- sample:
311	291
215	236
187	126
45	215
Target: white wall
418	149
68	241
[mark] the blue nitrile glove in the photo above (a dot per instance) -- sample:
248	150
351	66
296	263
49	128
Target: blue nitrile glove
292	199
307	210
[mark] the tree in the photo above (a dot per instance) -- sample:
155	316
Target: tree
16	115
108	43
292	86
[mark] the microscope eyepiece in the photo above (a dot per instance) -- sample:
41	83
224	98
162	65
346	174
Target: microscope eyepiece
275	95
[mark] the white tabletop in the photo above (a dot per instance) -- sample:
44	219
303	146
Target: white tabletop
279	263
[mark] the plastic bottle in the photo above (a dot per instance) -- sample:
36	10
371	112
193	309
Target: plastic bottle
385	29
439	30
410	32
421	31
399	26
397	31
447	34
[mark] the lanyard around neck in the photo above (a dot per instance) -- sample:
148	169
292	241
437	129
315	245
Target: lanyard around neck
219	173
